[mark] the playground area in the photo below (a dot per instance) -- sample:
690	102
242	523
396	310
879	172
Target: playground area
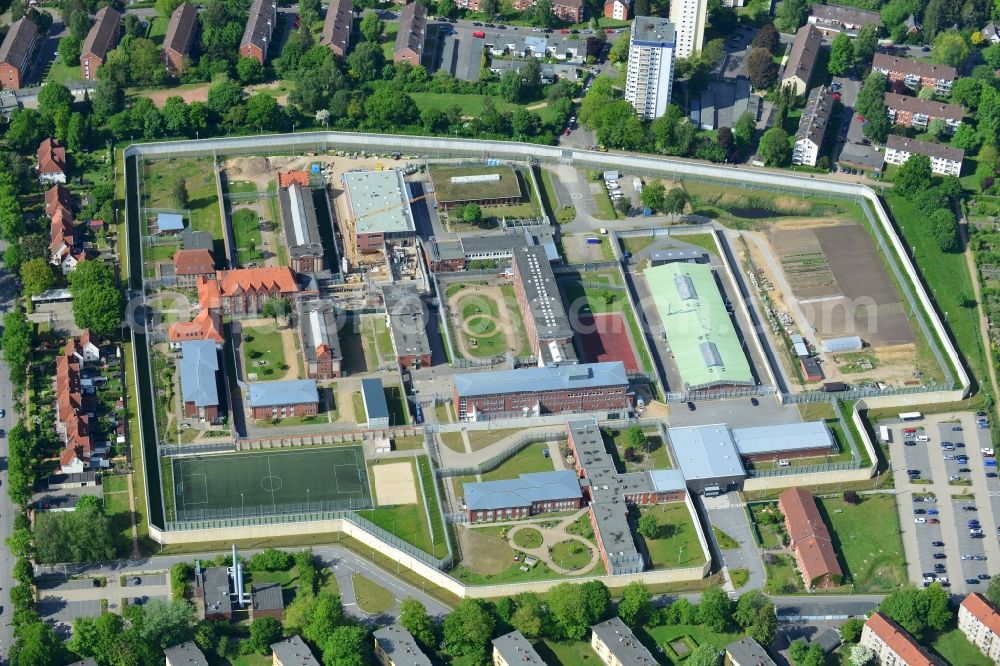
484	320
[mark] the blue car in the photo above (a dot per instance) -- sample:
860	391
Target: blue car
932	512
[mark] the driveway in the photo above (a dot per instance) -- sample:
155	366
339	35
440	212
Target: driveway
726	512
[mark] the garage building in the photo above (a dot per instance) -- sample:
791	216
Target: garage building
788	440
708	458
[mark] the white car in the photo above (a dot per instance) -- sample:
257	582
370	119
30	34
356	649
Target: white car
986	452
920	521
942	579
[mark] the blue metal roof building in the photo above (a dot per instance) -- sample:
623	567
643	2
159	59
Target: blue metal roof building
522	491
276	394
376	408
533	380
169	222
707	456
198	365
783	438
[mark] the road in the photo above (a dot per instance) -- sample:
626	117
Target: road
7	510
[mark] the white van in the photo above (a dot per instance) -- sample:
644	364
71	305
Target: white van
923	438
783	463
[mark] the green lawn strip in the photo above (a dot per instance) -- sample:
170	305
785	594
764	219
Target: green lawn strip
383	339
63	73
264	354
454	441
782	577
704	241
443	412
371	597
635	244
678	545
955	648
480	439
250	660
739	577
527	460
135	444
398	412
430	494
199	177
725	541
867	539
286	421
246	235
605	209
360	416
406	521
471	105
167	483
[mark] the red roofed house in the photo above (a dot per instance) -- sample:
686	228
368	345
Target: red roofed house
180	37
207	324
245	290
892	645
980	622
617	10
260	26
75	406
287	178
86	350
103	37
189	265
17	52
810	539
55	197
51	162
62	238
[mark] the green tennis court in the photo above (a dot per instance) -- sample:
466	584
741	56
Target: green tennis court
254	484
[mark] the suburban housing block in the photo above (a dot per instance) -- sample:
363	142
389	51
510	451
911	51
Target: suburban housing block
514	649
833	19
258	31
945	160
103	37
336	34
649	79
980	622
616	645
915	112
892	645
410	35
812	127
915	74
16	52
802	59
180	37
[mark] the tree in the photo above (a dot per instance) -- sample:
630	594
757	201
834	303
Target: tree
624	205
861	656
944	230
390	108
634	437
841	55
165	8
108	99
597	601
950	49
542	14
36	644
531	616
939	614
263	111
851	497
143	63
765	624
747	606
16	343
249	70
468	629
993	591
865	43
870	96
991	54
619	49
704	655
926	93
414	618
365	62
371	27
674	202
767	38
649	526
850	631
743	130
877	124
636	605
908	607
489	7
37	276
790	15
83	535
323	614
223	95
762	69
914	175
472	213
52	98
264	631
346	646
653	195
936	128
715	609
510	86
97	637
97	303
179	193
271	559
774	147
69	50
567	604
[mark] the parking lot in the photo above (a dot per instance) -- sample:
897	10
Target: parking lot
947	503
62	600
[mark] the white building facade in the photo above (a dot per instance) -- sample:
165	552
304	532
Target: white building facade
688	17
945	160
649	81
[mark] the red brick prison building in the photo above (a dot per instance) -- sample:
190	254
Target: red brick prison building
320	341
545	320
281	399
590	387
298	217
407	325
199	371
527	495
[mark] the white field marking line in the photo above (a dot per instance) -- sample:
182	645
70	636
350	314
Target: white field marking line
188	482
274	505
336	479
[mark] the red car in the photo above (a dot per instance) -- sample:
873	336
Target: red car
479	33
836	97
566	132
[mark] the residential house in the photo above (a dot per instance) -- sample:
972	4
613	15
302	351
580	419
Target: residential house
185	654
834	19
207	324
17	52
395	646
945	160
103	37
990	33
292	652
62	237
57	197
199	372
803	57
514	649
979	620
689	18
410	34
616	645
617	10
915	74
336	33
810	539
282	399
51	161
812	127
915	112
260	26
892	645
86	349
570	11
318	331
650	74
75	406
179	40
189	265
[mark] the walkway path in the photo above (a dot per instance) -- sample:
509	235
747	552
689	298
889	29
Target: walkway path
472	458
552	536
984	326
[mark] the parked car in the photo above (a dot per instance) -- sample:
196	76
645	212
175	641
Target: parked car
933	521
940	556
939	544
920	521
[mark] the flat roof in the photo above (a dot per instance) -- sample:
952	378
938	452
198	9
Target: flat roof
706	452
783	437
216	588
275	394
298	213
400	647
532	380
623	644
380	201
267	597
653	31
748	652
407	319
373	396
169	222
677	254
293	651
522	491
462	183
533	270
185	654
516	649
700	331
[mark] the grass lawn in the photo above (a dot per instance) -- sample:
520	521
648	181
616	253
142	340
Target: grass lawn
480	439
359	408
383	340
770	533
655	458
251	660
699	634
945	274
372	598
566	653
581	527
199	177
488	559
454	441
704	241
443	412
471	105
246	233
570	554
479	316
62	73
527	460
867	538
398	413
528	538
726	542
955	648
597	301
781	574
264	354
637	243
677	545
